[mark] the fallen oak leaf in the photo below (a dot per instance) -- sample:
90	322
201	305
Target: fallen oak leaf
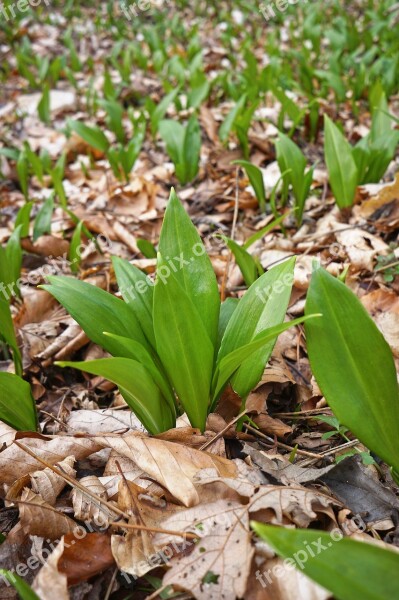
49	583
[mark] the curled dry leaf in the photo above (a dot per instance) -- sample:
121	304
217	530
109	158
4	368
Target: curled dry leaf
7	435
219	563
171	465
39	518
15	462
298	505
48	484
85	506
49	583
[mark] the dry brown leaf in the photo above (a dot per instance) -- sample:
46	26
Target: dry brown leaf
42	519
298	505
47	245
7	435
49	583
15	462
102	421
361	247
219	563
171	465
86	508
274	580
383	306
383	208
48	484
86	557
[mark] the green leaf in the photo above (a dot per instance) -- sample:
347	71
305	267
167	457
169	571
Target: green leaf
43	108
23	174
184	346
264	305
137	352
24	590
43	218
92	135
23	219
74	253
192	148
173	133
146	248
160	109
137	388
228	123
292	161
7	333
265	230
353	365
233	361
247	264
138	291
350	569
10	264
17	406
340	163
255	177
95	310
185	256
227	309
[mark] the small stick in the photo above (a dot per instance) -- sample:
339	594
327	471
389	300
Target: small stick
281	445
185	535
217	436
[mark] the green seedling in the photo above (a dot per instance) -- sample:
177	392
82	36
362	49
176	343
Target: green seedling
165	337
183	144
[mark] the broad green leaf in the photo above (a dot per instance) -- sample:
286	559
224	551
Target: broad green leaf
24	590
137	352
247	264
226	311
192	148
7	332
173	133
160	109
340	163
43	108
228	123
92	135
184	346
23	174
74	249
255	177
23	219
146	248
350	569
230	363
265	230
114	112
10	264
95	310
353	366
264	305
292	162
185	256
137	388
17	406
138	291
43	218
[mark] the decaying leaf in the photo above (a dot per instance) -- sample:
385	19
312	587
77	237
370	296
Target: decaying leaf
42	519
49	583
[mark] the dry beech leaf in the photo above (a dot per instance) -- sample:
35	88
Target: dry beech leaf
39	518
48	484
7	435
383	306
15	462
299	505
134	552
171	465
274	580
86	508
96	422
86	557
219	563
49	583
